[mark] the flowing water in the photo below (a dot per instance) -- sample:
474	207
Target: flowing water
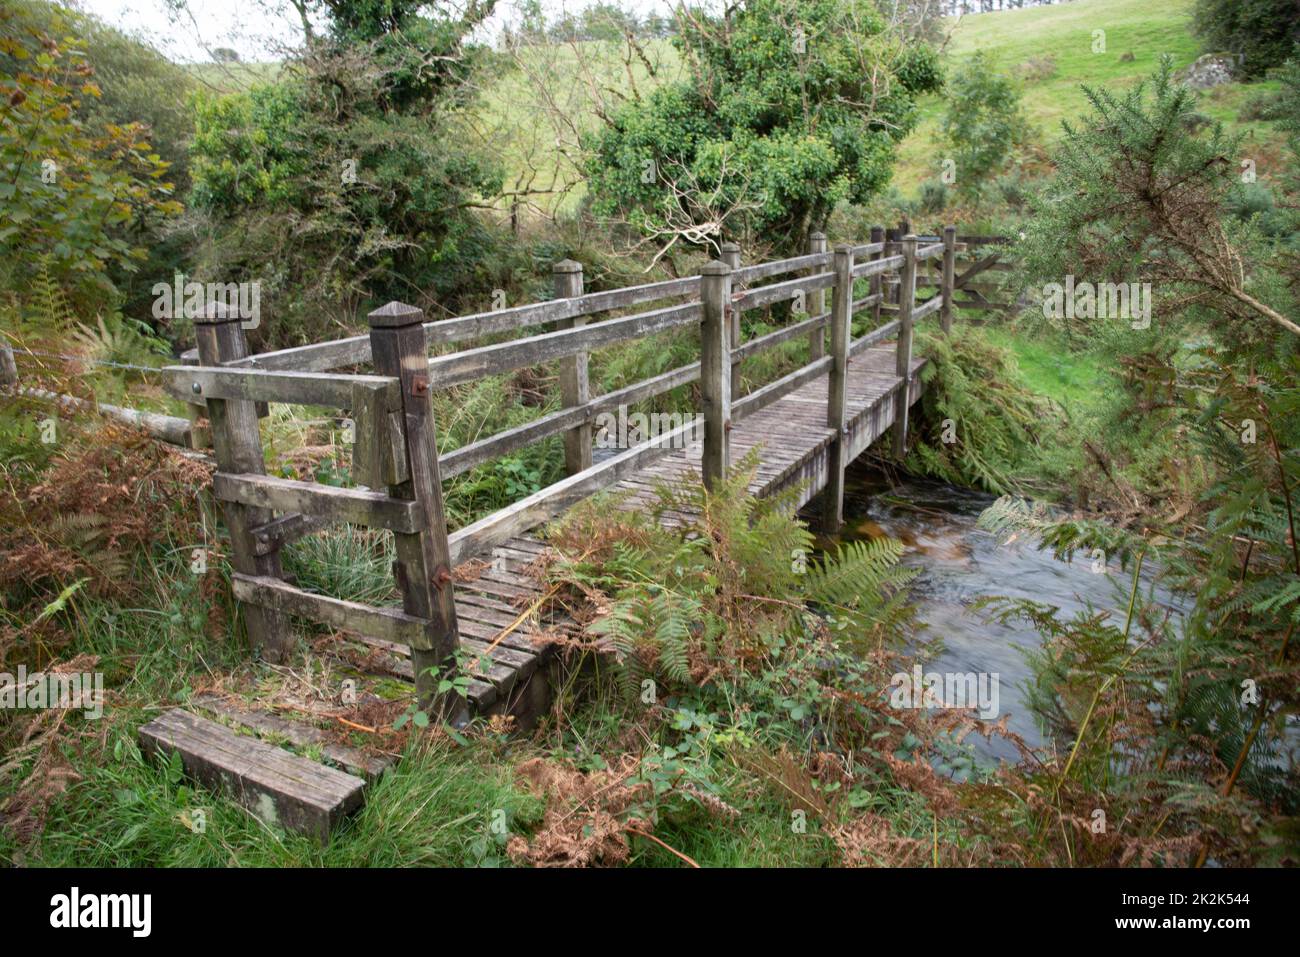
958	562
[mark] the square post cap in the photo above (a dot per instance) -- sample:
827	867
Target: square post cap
395	315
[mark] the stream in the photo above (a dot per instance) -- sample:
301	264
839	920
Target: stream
958	562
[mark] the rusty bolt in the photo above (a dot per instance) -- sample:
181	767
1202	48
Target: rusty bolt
441	577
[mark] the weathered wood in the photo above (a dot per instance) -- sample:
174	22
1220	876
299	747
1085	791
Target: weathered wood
355	350
903	354
749	274
458	367
878	266
949	276
168	428
297	733
470	456
715	369
334	390
314	499
386	623
817	245
398	343
837	394
8	370
975	270
875	287
282	789
575	389
933	304
237	443
761	398
731	256
503	525
285	530
814	326
369	433
781	291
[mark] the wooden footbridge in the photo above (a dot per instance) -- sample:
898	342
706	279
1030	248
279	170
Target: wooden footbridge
807	425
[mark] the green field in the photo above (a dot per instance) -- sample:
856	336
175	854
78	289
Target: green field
1059	40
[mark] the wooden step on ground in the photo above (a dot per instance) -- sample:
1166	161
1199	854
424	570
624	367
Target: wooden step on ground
281	788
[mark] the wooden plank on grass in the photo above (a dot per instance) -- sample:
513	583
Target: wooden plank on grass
280	788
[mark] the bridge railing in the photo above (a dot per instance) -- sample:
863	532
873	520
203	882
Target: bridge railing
398	472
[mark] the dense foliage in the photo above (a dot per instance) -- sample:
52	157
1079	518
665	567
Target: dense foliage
333	185
1261	33
790	107
81	194
1201	710
982	122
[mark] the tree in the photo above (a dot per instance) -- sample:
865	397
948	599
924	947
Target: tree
334	186
1261	33
790	107
1139	195
982	123
78	194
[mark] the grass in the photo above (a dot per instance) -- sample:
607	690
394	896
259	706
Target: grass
1075	379
1065	34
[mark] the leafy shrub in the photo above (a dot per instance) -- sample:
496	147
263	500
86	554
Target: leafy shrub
77	192
771	130
983	121
1262	33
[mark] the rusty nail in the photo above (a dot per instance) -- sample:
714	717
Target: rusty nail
441	577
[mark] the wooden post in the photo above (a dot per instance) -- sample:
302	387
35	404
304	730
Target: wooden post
715	369
903	354
423	567
876	283
8	371
574	386
949	277
237	444
731	256
891	249
817	338
837	394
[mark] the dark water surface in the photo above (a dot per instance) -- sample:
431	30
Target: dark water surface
957	563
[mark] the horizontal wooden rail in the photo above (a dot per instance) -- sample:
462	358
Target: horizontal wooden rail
929	252
876	266
358	506
477	453
458	367
781	291
887	331
747	274
761	398
259	385
386	624
929	306
551	501
168	428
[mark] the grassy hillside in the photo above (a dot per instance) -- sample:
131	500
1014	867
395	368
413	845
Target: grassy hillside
1050	50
